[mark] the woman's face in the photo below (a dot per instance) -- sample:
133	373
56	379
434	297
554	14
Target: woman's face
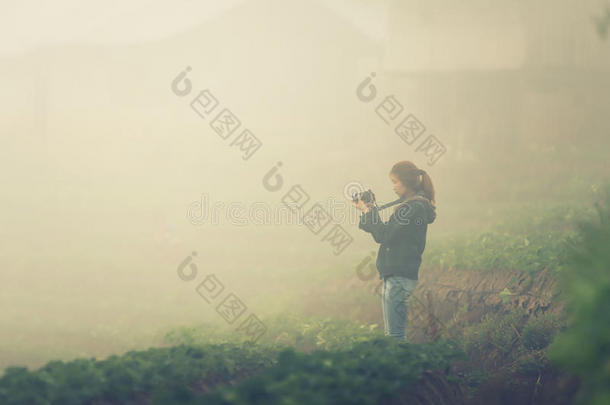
399	188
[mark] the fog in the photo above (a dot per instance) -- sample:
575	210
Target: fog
114	170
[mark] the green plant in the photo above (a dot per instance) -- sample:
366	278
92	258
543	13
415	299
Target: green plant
513	342
495	333
540	330
531	240
368	373
156	371
584	347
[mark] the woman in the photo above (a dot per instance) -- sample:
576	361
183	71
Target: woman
402	241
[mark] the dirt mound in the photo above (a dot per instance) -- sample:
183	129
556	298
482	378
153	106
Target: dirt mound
448	298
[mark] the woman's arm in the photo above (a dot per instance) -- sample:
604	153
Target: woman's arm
384	232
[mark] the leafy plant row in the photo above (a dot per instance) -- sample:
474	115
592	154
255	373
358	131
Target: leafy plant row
117	379
531	239
367	373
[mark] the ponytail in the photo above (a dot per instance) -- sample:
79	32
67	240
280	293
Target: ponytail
428	187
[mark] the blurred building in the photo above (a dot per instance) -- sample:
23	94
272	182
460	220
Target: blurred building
484	74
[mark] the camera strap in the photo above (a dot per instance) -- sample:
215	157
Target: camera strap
399	200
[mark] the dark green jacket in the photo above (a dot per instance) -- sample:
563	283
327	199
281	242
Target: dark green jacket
402	238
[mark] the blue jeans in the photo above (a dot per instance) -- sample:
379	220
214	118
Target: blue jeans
394	297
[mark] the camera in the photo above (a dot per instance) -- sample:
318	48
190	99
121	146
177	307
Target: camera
366	196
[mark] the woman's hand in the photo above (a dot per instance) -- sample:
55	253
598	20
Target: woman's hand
362	206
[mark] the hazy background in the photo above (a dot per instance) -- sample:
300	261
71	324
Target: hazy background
100	160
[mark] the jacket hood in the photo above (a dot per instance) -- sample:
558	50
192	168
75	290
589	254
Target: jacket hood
428	206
